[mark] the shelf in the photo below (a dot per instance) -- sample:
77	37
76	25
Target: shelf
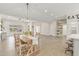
59	27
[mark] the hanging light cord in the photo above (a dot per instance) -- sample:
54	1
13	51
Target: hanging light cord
28	16
27	11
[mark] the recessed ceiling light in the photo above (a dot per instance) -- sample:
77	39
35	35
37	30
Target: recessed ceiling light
51	14
45	10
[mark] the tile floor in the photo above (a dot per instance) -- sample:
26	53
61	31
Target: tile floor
52	46
7	47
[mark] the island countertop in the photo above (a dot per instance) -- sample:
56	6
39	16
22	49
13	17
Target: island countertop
73	36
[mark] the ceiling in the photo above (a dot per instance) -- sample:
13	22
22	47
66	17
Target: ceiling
39	11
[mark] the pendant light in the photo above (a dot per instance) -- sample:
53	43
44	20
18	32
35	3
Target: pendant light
29	23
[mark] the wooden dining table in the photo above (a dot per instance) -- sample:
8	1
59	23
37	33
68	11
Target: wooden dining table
26	38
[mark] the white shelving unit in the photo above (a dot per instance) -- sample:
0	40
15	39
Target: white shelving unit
59	28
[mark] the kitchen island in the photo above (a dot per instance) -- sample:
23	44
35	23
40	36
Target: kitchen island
75	38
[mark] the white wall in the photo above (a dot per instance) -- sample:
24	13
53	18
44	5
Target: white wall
48	28
53	28
45	28
7	23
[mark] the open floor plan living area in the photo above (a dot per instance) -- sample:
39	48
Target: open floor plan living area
39	29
